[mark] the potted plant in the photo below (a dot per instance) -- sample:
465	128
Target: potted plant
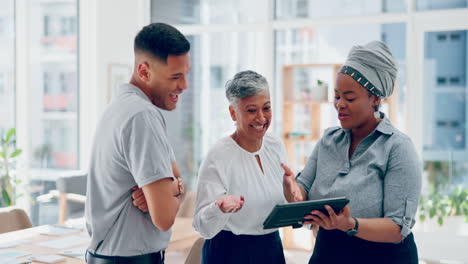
8	155
444	207
320	91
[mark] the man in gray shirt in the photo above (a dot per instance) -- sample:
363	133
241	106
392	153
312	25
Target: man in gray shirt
131	148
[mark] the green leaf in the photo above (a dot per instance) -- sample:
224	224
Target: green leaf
6	198
422	217
10	133
4	150
432	212
440	220
15	153
2	155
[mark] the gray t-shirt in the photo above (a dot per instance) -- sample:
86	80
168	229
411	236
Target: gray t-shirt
130	148
382	178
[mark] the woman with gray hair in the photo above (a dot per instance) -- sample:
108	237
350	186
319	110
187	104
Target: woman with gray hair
368	161
240	181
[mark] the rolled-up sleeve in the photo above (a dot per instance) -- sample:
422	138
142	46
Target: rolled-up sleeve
402	185
209	219
146	148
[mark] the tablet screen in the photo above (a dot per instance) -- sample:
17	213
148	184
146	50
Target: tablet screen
293	213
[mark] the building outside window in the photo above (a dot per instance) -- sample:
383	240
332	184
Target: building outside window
53	109
7	66
54	80
445	149
440	4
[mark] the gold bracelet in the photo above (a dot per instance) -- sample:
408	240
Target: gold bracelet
180	185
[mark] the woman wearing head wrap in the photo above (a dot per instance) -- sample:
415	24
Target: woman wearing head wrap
366	160
240	181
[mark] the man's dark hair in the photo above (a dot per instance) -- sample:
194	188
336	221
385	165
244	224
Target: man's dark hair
161	40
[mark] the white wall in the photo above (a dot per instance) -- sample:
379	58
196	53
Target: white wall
107	30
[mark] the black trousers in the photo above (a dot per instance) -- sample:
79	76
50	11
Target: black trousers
153	258
226	248
335	246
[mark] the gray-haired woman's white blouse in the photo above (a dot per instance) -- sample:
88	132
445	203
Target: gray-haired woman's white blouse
229	169
382	178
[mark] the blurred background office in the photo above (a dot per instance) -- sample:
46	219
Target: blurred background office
61	61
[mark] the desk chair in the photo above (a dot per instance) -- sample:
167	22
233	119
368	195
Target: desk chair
194	256
13	219
69	189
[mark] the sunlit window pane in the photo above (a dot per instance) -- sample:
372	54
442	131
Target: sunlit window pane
53	86
290	9
7	66
208	12
445	90
53	82
441	4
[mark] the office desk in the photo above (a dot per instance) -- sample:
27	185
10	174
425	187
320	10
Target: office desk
33	236
182	238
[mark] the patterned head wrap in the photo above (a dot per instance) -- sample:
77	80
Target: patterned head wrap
372	66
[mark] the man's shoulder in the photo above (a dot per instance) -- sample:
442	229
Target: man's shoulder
131	103
123	110
150	121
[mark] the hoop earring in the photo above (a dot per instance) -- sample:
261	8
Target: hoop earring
377	115
377	112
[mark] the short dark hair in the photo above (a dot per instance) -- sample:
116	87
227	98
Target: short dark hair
161	40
